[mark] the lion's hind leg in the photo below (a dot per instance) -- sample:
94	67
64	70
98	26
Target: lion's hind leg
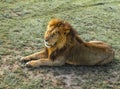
106	52
107	59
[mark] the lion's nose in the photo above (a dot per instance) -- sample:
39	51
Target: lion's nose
46	40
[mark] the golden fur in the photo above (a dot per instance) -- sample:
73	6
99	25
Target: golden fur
63	45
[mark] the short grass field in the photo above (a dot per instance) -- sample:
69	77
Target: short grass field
22	27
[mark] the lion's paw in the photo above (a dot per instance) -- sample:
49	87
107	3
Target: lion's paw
32	64
24	59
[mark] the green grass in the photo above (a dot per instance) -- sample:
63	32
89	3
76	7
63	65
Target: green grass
22	27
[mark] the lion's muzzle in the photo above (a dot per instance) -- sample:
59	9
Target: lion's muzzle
47	44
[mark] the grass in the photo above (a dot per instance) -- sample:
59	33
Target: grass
22	27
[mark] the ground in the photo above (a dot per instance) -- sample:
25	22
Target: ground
22	27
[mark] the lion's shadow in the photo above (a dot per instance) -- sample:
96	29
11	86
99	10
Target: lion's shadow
80	70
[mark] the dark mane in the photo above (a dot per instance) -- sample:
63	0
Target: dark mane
75	34
57	53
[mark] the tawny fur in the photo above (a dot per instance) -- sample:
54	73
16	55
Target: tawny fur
63	45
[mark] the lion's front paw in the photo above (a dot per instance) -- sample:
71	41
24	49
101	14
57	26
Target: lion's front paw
25	59
32	64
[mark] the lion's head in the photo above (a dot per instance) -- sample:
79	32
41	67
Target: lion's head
56	33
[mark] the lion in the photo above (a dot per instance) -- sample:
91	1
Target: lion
64	45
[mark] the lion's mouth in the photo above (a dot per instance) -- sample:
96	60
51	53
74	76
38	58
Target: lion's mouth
48	45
